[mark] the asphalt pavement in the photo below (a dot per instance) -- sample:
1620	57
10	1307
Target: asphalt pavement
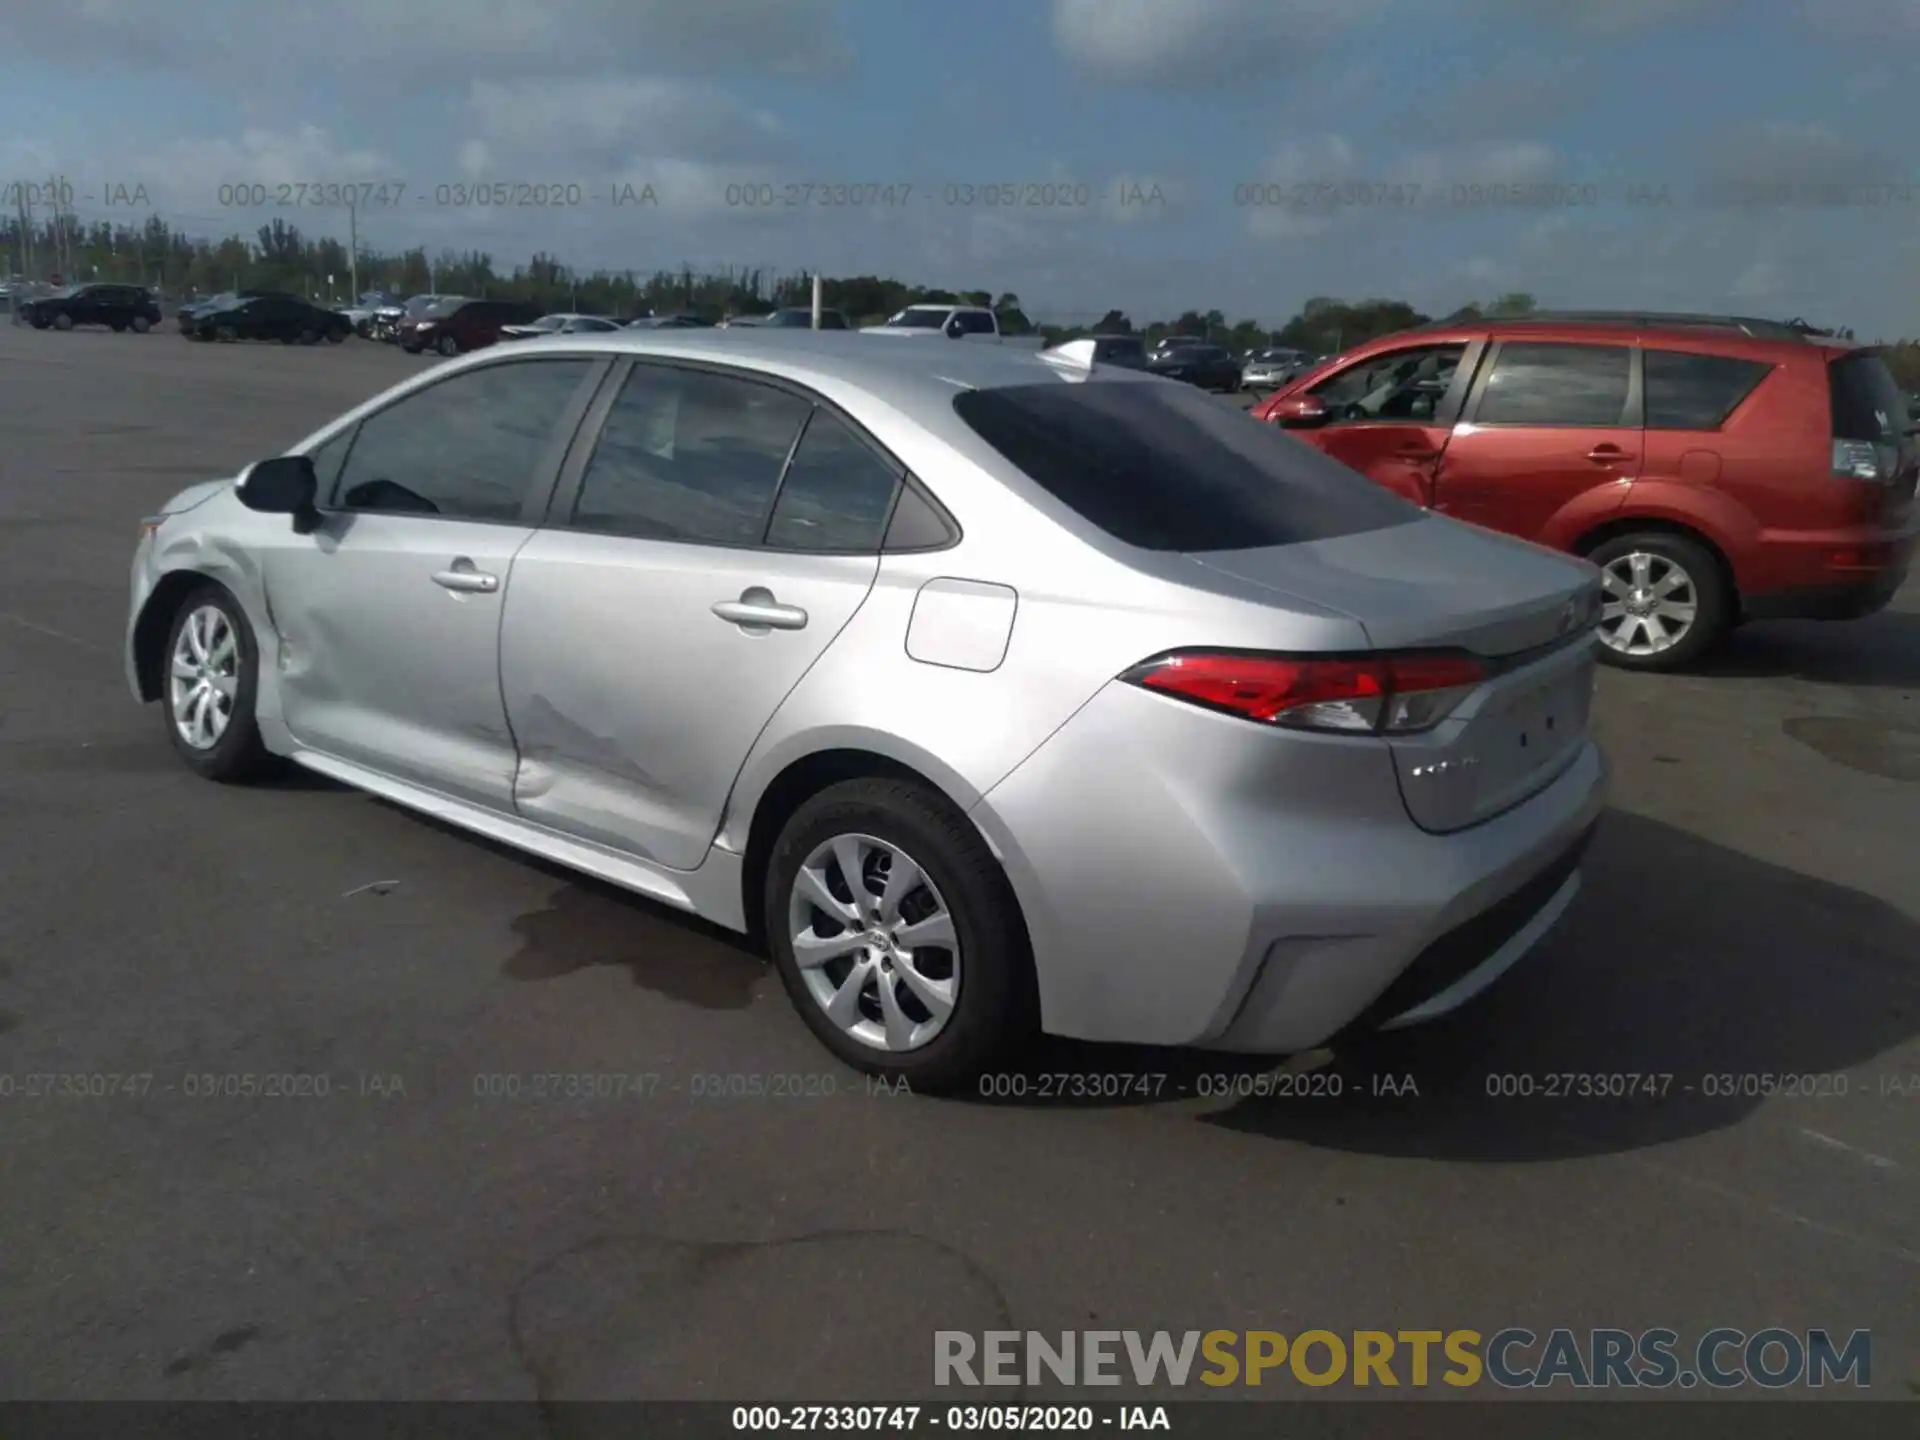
436	1225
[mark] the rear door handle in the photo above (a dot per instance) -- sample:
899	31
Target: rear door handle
756	611
1607	454
462	576
1416	453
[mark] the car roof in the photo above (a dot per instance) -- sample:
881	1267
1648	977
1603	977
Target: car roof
903	373
1721	334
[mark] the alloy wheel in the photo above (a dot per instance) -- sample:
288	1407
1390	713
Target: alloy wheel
1650	604
204	677
875	943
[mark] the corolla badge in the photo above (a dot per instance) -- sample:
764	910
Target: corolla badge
1445	767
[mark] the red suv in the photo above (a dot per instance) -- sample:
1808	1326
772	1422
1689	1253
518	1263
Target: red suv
1716	469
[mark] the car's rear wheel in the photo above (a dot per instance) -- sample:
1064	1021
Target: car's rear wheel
1665	601
336	336
226	334
209	685
63	322
448	346
141	325
897	935
309	336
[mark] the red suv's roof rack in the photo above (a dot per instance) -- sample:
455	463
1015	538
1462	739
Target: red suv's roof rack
1746	325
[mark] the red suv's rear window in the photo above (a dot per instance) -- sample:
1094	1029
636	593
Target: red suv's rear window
1867	403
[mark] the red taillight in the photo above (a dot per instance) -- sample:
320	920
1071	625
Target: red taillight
1394	694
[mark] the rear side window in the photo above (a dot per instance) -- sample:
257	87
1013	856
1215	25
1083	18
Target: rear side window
1696	392
836	494
689	456
1583	385
1164	467
1867	403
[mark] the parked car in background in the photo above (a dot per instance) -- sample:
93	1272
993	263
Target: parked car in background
389	320
956	322
118	307
671	322
568	324
190	312
1272	368
1211	367
800	317
361	313
455	326
743	322
1358	771
1717	469
1127	351
285	318
1168	344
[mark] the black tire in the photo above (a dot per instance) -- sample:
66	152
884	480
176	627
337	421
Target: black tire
411	349
1714	601
996	1010
226	335
39	322
336	337
141	325
63	322
448	346
309	337
238	755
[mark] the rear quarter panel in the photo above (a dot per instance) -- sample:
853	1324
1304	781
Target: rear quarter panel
1765	469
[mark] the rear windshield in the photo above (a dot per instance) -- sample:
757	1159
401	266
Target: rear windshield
1867	404
1165	467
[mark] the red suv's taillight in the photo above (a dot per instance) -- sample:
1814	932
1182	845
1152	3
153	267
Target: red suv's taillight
1369	694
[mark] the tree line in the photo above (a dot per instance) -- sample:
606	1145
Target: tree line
281	257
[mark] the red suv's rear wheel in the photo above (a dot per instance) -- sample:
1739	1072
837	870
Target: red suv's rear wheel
1665	603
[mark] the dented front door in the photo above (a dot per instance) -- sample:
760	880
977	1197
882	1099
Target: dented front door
390	645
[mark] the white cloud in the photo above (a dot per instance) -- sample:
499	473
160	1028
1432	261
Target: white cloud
597	121
439	41
1203	42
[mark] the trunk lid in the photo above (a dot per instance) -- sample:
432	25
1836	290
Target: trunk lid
1527	612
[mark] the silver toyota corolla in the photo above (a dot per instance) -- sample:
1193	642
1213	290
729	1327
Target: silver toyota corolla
996	690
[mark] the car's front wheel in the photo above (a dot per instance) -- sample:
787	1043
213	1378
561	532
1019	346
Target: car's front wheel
63	322
211	678
1665	601
226	334
448	346
897	935
141	325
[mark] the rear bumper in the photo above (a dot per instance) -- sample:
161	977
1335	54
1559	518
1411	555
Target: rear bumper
1839	575
1190	879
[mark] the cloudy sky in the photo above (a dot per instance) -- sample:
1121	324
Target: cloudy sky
1157	155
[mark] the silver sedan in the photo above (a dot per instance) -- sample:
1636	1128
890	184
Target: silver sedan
996	691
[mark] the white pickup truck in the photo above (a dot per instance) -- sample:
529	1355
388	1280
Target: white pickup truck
956	322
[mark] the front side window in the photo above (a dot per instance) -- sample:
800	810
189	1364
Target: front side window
466	448
689	456
1406	385
1560	385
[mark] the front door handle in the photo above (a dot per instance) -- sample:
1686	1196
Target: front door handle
465	578
1607	455
1416	454
756	612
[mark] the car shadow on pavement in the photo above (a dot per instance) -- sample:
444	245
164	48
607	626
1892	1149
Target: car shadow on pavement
1718	980
1882	651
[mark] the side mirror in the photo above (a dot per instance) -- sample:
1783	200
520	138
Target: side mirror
1301	412
954	328
284	485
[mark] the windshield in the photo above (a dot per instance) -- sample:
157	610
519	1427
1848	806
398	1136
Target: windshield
440	308
549	322
918	319
1164	467
791	319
